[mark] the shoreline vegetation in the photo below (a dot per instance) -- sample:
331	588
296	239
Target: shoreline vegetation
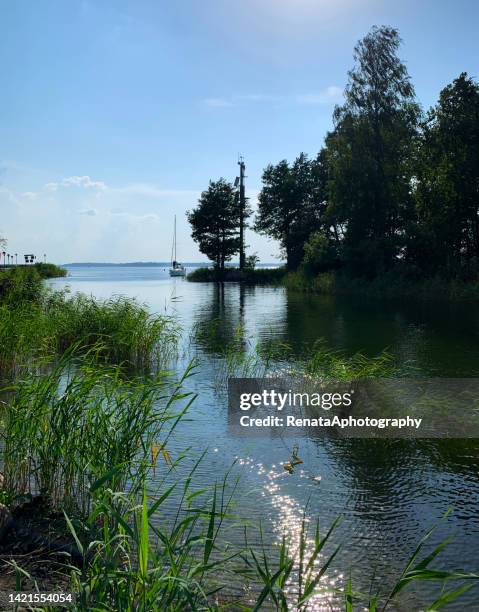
96	502
44	270
391	285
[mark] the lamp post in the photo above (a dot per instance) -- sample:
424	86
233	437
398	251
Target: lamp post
16	259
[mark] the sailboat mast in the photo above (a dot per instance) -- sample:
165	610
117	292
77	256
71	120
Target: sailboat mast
173	244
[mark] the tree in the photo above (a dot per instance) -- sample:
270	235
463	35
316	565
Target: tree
447	185
215	222
291	204
369	155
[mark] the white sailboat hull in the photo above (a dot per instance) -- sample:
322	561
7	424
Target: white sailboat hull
177	272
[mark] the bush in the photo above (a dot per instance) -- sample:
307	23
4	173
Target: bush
49	270
319	254
260	276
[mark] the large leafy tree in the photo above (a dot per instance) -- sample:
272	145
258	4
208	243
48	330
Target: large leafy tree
447	185
369	155
291	204
215	222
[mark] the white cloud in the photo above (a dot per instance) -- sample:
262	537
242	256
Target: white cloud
218	102
132	216
29	195
331	95
76	181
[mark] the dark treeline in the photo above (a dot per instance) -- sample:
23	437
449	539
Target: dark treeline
393	188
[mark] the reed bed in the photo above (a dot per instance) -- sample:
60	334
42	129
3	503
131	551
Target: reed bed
64	429
127	331
36	323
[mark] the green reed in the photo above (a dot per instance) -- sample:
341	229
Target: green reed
64	428
46	326
127	331
137	563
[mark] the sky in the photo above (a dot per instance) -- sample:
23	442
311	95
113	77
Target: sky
114	115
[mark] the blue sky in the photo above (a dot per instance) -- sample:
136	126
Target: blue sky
115	114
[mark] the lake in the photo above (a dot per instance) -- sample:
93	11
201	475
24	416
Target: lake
388	492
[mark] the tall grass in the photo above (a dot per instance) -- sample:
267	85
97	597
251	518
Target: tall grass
390	285
323	362
127	331
137	563
46	326
63	429
49	270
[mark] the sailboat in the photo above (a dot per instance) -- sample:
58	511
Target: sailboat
176	268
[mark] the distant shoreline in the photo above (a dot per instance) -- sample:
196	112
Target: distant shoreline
151	264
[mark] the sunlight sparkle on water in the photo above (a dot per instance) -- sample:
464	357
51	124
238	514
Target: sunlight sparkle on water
288	517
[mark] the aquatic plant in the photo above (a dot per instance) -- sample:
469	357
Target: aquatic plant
122	329
63	429
128	332
324	362
142	559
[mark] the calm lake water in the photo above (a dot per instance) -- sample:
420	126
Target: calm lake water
389	493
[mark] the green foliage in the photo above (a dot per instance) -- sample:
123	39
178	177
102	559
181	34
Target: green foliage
49	270
325	282
320	254
257	276
295	578
291	204
447	186
392	284
123	331
215	222
323	362
65	428
20	286
292	578
251	261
